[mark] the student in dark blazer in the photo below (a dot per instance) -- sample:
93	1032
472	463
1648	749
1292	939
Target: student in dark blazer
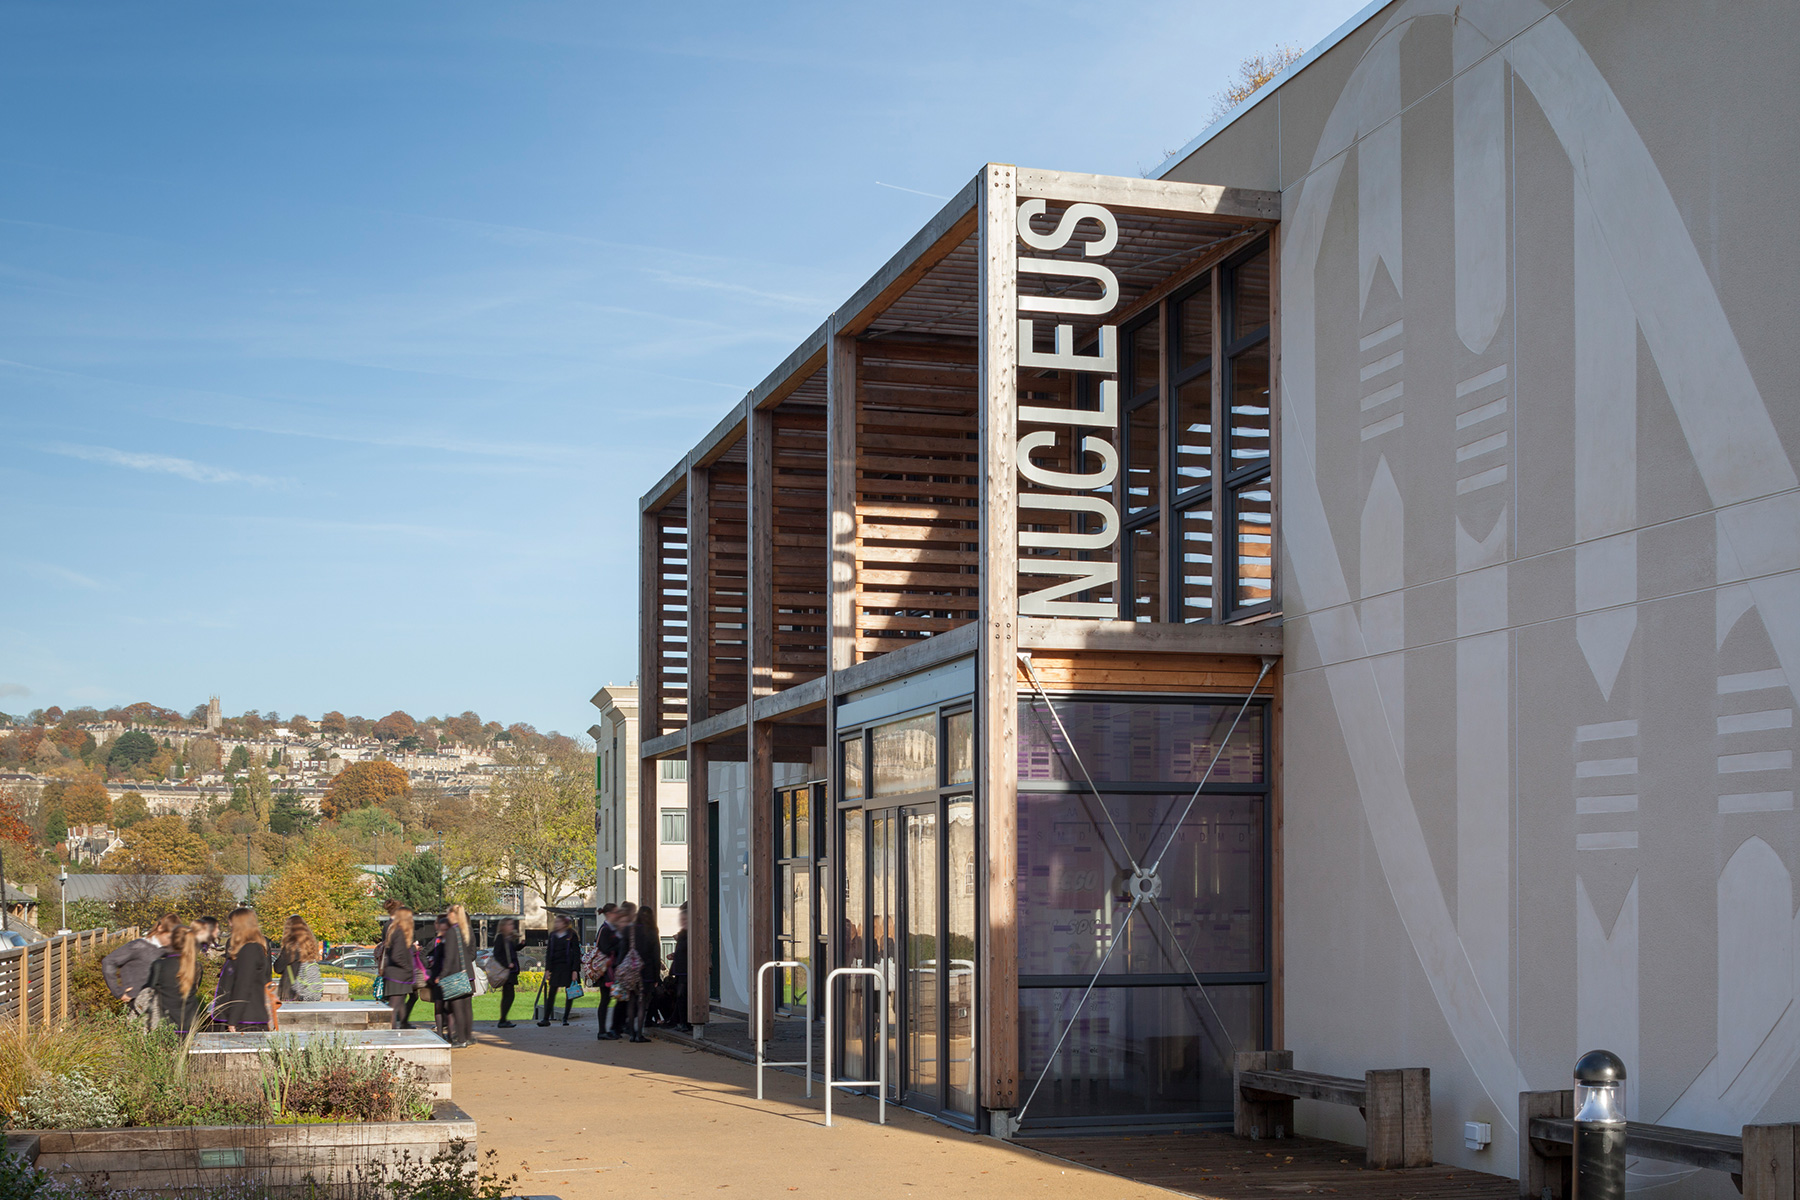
506	953
562	960
394	963
242	1001
175	982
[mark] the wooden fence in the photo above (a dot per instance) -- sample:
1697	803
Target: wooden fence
34	981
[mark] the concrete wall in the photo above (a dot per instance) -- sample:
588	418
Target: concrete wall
1540	548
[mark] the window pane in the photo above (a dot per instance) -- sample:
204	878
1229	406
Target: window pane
1144	358
1250	406
959	1023
1143	474
1193	433
1194	558
853	768
1255	545
674	826
1207	918
1137	1051
673	770
802	823
920	984
851	991
1141	741
1194	327
674	889
784	835
1250	296
960	729
905	754
1146	574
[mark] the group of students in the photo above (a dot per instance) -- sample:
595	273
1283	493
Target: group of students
626	964
157	975
444	971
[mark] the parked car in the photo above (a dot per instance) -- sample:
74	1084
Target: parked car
12	939
340	951
361	960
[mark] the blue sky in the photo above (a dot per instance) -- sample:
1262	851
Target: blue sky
338	341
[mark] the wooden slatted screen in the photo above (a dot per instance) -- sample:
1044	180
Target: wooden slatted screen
800	566
918	474
671	623
728	588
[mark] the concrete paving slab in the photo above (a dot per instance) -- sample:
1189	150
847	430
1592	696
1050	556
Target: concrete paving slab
584	1119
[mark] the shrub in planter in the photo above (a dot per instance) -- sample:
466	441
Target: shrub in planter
69	1101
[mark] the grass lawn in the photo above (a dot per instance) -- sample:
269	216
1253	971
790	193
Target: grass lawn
487	1008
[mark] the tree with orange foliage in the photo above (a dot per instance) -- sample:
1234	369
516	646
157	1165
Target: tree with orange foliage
332	724
364	783
395	726
86	802
12	818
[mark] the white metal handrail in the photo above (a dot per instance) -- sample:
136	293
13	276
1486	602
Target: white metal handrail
880	1083
756	1003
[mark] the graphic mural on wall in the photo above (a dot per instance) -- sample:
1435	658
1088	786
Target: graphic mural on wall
1636	274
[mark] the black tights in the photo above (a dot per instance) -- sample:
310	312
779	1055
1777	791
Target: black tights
506	999
634	1017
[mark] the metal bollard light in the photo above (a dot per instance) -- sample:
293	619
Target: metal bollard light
1599	1127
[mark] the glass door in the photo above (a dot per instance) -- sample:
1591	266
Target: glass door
794	932
924	971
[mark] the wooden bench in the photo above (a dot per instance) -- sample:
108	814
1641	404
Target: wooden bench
1763	1163
1395	1104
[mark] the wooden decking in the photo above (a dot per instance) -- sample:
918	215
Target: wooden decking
1225	1167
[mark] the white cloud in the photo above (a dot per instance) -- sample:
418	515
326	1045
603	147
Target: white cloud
163	464
51	573
11	690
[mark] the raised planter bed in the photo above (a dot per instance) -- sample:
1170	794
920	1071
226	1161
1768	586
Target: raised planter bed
344	1016
234	1060
281	1156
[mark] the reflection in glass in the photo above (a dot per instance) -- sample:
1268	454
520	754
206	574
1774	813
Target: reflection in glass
802	831
1144	358
905	755
1146	573
799	948
1193	433
853	768
884	930
1194	560
1250	295
959	732
1137	1051
1255	544
1072	873
1140	741
853	994
922	957
1143	474
1250	406
959	1016
1194	327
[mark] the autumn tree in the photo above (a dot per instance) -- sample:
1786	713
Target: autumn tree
360	727
394	726
13	824
300	726
364	783
261	796
544	810
159	846
332	724
1253	72
203	754
321	883
129	810
86	802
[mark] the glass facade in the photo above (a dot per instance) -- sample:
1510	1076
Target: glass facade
909	906
1182	980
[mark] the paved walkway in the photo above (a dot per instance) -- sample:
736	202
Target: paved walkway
592	1120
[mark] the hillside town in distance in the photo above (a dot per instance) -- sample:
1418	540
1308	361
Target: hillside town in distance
107	815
